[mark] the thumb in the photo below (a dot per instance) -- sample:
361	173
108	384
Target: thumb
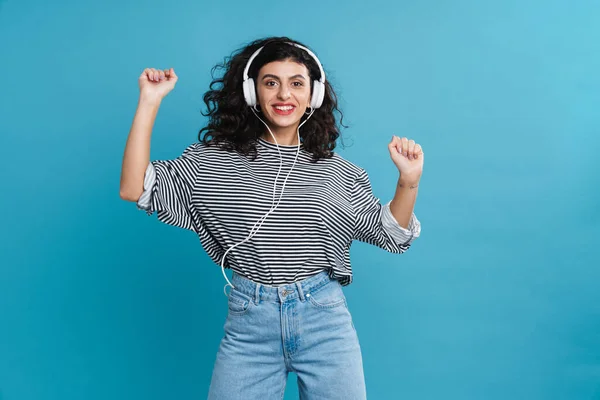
171	73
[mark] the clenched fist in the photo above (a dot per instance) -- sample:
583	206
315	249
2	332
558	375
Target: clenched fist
157	83
408	157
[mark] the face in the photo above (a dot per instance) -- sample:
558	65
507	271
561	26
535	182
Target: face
283	90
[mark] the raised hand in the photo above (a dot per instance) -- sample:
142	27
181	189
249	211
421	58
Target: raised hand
157	83
408	157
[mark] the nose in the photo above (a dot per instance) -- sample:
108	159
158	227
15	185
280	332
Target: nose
284	92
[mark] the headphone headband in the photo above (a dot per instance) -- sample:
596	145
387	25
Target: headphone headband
253	56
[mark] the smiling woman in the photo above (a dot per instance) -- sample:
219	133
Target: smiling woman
287	243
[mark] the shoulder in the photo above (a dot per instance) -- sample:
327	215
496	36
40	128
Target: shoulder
211	155
201	148
350	169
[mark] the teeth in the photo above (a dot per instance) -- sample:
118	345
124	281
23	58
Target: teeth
284	108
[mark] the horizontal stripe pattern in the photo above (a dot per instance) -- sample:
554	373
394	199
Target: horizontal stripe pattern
326	205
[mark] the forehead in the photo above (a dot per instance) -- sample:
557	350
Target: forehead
283	68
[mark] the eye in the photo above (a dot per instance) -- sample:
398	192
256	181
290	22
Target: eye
298	84
268	83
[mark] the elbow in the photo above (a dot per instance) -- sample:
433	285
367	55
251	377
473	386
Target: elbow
128	195
129	191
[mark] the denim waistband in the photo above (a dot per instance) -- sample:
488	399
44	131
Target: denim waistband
259	292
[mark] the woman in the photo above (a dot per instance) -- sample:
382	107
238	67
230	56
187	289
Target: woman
286	239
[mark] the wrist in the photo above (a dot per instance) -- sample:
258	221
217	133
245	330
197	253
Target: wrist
408	183
149	99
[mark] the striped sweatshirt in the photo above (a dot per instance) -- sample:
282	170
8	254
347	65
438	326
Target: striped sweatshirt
219	195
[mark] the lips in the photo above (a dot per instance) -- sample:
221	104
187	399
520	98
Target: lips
283	109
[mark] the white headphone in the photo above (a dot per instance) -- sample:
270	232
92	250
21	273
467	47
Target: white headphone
318	94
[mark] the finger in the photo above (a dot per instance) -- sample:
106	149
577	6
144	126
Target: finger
411	149
394	145
397	143
153	74
147	74
418	150
161	75
404	146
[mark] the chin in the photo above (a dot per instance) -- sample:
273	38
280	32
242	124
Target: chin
286	122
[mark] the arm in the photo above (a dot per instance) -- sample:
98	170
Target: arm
375	224
161	186
154	86
408	157
403	203
137	150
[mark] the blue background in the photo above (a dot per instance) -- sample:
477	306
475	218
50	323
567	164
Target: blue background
498	299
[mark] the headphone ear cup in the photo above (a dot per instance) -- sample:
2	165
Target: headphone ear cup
249	92
318	94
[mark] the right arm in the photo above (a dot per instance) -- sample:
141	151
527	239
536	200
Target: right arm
154	86
137	149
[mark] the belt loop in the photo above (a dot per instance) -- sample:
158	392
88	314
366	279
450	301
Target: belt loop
300	291
257	294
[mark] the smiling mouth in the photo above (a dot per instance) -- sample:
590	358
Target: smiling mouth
284	110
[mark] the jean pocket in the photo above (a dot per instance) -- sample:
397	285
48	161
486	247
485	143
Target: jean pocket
238	303
328	296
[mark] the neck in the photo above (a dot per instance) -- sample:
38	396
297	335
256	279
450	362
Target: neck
285	136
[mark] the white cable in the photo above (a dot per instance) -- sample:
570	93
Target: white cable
273	207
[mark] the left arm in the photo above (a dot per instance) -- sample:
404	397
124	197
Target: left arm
403	203
392	226
408	157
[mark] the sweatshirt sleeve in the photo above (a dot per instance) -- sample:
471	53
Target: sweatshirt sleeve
168	188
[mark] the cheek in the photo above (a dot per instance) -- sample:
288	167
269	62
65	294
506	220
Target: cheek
304	97
307	93
262	95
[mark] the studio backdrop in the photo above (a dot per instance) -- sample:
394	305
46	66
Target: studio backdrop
498	298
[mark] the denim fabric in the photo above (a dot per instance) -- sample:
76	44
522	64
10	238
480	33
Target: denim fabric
304	327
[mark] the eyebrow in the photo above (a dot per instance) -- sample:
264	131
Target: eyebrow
276	77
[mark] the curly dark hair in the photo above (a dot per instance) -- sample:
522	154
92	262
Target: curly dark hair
233	126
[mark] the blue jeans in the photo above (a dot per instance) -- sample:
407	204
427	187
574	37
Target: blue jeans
304	327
